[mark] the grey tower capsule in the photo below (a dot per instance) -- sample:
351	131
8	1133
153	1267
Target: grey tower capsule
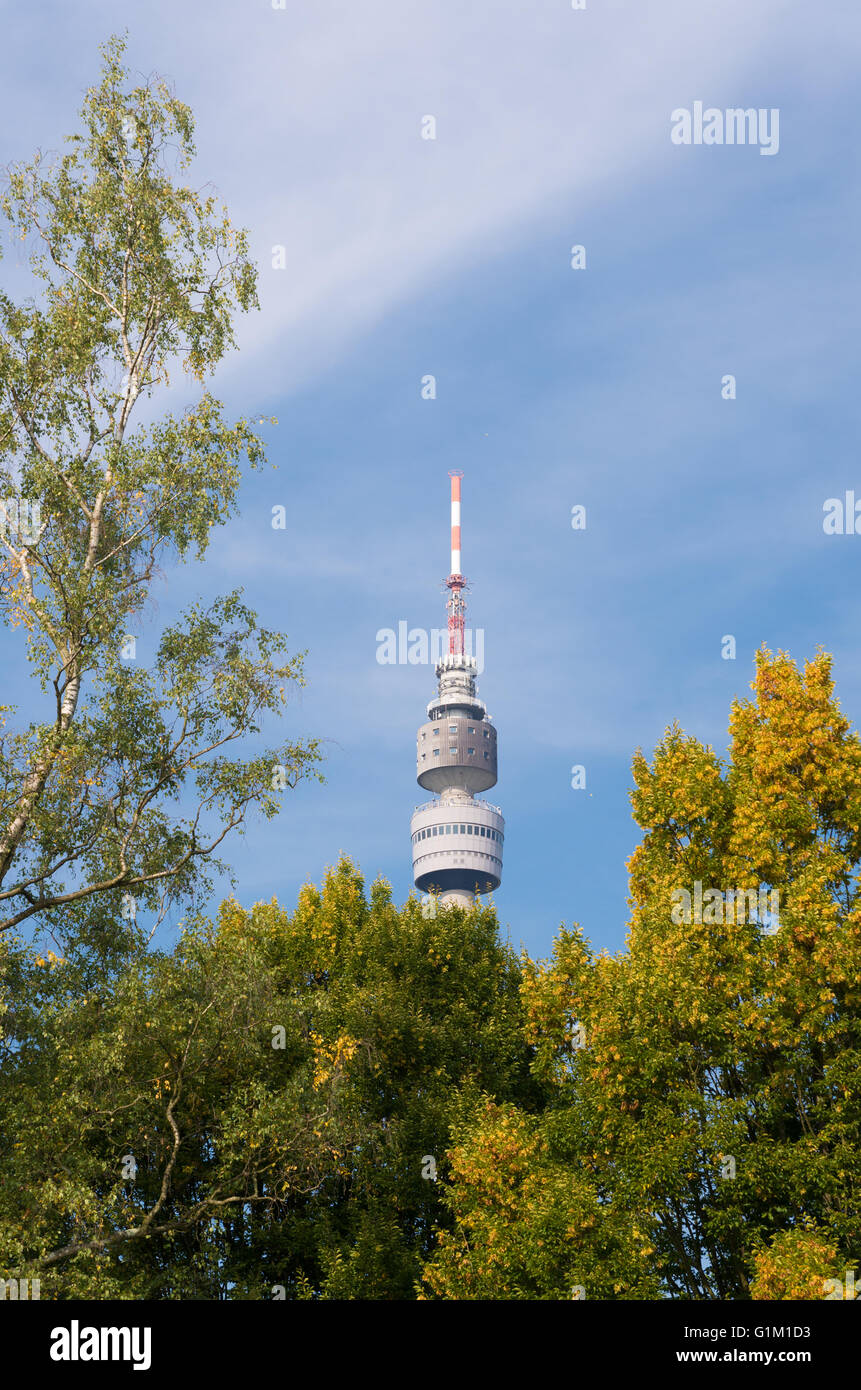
457	840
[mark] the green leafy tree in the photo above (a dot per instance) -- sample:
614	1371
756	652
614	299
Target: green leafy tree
284	1086
137	275
146	1115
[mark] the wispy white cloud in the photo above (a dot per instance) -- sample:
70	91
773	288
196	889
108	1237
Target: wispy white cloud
309	124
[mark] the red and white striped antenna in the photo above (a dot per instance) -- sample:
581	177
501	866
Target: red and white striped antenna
455	582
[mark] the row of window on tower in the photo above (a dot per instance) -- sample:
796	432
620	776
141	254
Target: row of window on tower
452	728
485	830
470	753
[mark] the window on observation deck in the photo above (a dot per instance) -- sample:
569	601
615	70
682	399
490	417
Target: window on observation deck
471	752
436	752
452	728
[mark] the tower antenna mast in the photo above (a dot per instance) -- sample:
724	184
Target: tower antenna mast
456	584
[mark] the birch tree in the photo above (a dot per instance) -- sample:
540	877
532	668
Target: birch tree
122	783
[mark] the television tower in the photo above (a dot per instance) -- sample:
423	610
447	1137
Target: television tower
457	841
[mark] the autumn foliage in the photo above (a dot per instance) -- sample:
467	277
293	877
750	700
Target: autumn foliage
707	1134
357	1100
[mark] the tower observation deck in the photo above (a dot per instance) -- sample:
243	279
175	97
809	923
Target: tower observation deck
457	840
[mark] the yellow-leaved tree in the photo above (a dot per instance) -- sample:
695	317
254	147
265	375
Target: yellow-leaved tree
702	1103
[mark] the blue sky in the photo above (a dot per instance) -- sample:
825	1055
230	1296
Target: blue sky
554	387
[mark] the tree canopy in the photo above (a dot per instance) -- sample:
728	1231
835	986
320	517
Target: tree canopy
700	1130
356	1100
120	790
268	1107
